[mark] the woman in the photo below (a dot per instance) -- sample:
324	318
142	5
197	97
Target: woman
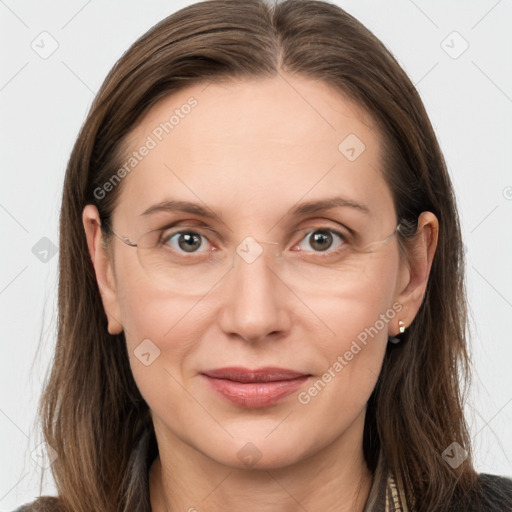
211	354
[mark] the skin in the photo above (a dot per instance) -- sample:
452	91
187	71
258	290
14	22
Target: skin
251	150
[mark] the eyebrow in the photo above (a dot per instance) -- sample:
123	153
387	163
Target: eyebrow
182	206
302	209
328	204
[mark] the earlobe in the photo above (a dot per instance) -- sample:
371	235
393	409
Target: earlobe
420	260
103	269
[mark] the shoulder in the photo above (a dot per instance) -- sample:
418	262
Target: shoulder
495	483
42	504
494	493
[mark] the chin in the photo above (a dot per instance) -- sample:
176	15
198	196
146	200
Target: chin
258	452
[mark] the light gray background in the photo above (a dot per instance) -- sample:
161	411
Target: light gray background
44	102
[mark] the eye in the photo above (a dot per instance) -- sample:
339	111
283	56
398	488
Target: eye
322	239
186	241
319	240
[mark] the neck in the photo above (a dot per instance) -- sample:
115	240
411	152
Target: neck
333	478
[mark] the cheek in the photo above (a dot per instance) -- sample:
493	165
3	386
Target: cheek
361	311
164	325
148	309
355	351
358	320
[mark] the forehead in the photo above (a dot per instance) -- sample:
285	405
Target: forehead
255	148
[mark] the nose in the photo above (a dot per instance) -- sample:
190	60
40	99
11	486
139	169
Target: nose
253	298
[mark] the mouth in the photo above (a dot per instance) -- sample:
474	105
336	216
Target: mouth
254	388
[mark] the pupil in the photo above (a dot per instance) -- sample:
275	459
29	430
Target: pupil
319	239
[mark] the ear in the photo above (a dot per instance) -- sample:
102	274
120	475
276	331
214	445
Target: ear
416	270
103	268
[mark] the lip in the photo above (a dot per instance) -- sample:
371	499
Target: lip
260	387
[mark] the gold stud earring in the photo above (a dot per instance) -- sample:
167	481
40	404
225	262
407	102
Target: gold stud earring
401	328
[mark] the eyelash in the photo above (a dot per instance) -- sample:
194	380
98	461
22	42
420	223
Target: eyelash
320	254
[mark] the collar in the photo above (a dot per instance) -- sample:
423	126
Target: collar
387	492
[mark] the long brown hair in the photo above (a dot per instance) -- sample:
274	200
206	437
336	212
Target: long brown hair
91	410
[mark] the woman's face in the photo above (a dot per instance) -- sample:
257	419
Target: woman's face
250	153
